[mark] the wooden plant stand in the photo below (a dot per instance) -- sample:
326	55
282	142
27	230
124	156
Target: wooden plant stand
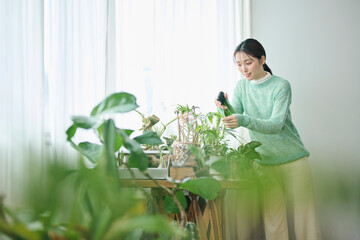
211	219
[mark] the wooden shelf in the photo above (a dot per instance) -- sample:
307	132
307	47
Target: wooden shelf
225	184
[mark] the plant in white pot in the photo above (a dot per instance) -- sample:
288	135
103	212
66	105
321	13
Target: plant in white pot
234	163
214	139
158	154
238	162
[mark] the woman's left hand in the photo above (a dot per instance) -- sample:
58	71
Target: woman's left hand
230	121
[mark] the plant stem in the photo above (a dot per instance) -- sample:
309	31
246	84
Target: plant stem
148	196
173	195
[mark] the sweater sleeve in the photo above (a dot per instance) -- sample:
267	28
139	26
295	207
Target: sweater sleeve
276	121
237	102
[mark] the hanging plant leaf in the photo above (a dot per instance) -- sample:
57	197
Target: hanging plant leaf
206	187
84	122
91	151
116	103
70	132
169	204
149	138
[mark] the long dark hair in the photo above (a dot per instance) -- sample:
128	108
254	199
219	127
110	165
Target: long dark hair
253	48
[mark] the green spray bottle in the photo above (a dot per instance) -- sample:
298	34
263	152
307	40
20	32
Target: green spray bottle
230	110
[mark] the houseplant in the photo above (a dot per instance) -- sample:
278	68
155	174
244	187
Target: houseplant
182	160
213	138
158	153
238	162
124	102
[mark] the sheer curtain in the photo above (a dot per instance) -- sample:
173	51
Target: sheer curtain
60	58
75	66
178	52
53	66
22	92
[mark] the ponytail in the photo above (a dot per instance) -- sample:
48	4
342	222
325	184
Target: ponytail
266	68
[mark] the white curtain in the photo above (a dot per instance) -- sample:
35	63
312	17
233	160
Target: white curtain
178	52
53	66
75	66
60	58
22	91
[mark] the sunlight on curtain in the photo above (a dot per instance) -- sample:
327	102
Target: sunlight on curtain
75	33
21	97
60	58
177	52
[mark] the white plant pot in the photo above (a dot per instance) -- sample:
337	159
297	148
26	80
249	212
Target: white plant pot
161	172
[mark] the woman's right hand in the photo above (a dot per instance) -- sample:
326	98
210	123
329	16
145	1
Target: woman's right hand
218	103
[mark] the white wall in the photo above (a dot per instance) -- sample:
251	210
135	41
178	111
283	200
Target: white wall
315	45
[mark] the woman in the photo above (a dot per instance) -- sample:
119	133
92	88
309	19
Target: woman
262	104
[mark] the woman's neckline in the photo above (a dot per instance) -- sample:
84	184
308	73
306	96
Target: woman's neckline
261	80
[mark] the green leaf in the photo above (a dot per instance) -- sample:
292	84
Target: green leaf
116	103
118	141
137	157
91	151
253	155
109	144
18	231
149	138
252	144
221	166
100	224
169	204
138	160
128	131
84	122
70	132
147	223
206	187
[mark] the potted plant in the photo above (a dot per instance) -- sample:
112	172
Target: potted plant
158	154
182	159
213	138
238	162
103	126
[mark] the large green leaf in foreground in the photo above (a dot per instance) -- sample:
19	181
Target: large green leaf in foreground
116	103
206	187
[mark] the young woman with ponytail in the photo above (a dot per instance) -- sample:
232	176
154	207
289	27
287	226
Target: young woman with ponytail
262	104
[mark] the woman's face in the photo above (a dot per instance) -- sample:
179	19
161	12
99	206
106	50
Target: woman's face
250	67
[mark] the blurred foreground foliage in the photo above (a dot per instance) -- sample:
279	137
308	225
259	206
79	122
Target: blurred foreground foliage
83	203
61	202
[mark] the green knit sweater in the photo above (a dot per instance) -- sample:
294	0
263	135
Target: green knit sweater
264	109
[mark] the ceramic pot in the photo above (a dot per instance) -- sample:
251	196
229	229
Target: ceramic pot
182	156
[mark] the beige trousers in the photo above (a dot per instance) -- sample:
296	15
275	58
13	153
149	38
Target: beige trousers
290	183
